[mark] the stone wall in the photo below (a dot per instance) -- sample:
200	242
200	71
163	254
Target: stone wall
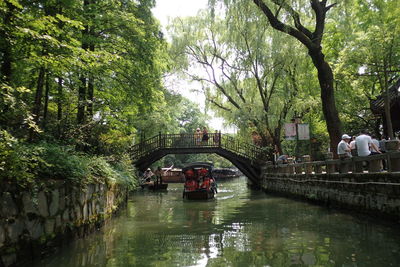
377	194
34	221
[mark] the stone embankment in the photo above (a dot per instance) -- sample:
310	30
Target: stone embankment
36	221
356	184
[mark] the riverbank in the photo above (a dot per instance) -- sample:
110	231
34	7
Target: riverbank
35	223
50	194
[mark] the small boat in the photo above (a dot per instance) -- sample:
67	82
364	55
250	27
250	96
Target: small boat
225	173
172	175
199	182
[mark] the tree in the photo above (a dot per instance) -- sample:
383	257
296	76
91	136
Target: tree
277	13
247	75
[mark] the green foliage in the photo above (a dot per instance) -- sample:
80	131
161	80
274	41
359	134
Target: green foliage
16	162
29	164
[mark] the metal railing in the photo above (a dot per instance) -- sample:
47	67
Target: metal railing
194	141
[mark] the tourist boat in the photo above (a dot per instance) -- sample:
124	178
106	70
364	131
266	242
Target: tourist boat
172	175
224	173
199	182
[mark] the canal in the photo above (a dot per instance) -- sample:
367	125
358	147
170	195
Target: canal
240	227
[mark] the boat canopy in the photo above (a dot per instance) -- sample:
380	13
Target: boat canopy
196	165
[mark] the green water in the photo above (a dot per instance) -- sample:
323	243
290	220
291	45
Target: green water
239	228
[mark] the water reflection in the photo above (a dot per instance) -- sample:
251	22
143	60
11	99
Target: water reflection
238	228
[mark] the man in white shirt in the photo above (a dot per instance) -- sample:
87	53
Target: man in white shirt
363	143
343	147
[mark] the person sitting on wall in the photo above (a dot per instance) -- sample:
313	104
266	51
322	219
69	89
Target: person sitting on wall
363	144
343	148
282	159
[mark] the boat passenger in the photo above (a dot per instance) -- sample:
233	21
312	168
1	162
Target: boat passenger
158	174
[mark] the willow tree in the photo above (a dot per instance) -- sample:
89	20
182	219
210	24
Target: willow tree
288	17
245	75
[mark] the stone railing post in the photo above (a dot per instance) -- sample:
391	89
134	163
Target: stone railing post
330	163
375	163
358	165
290	166
344	165
393	155
307	164
318	166
298	168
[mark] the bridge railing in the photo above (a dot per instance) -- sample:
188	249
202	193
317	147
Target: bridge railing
193	141
369	164
243	149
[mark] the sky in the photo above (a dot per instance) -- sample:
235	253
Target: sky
165	11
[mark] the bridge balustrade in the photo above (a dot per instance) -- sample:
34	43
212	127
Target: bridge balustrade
192	141
368	164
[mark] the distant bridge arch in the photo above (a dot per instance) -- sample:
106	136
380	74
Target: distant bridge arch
246	157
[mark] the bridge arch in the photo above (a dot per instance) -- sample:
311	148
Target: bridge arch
246	157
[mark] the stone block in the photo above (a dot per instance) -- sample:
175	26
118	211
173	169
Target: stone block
35	229
62	199
78	213
8	207
85	211
14	230
58	221
42	204
9	259
49	226
2	236
54	204
82	198
29	205
65	216
91	190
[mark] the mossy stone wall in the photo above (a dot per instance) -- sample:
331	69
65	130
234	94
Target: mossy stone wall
376	194
35	221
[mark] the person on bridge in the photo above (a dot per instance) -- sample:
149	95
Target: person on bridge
216	137
205	137
197	136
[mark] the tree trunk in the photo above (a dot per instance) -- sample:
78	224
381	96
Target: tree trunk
325	78
46	100
82	91
6	69
388	116
81	101
59	105
37	105
90	89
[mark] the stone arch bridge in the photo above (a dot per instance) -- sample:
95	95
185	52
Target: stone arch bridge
246	157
